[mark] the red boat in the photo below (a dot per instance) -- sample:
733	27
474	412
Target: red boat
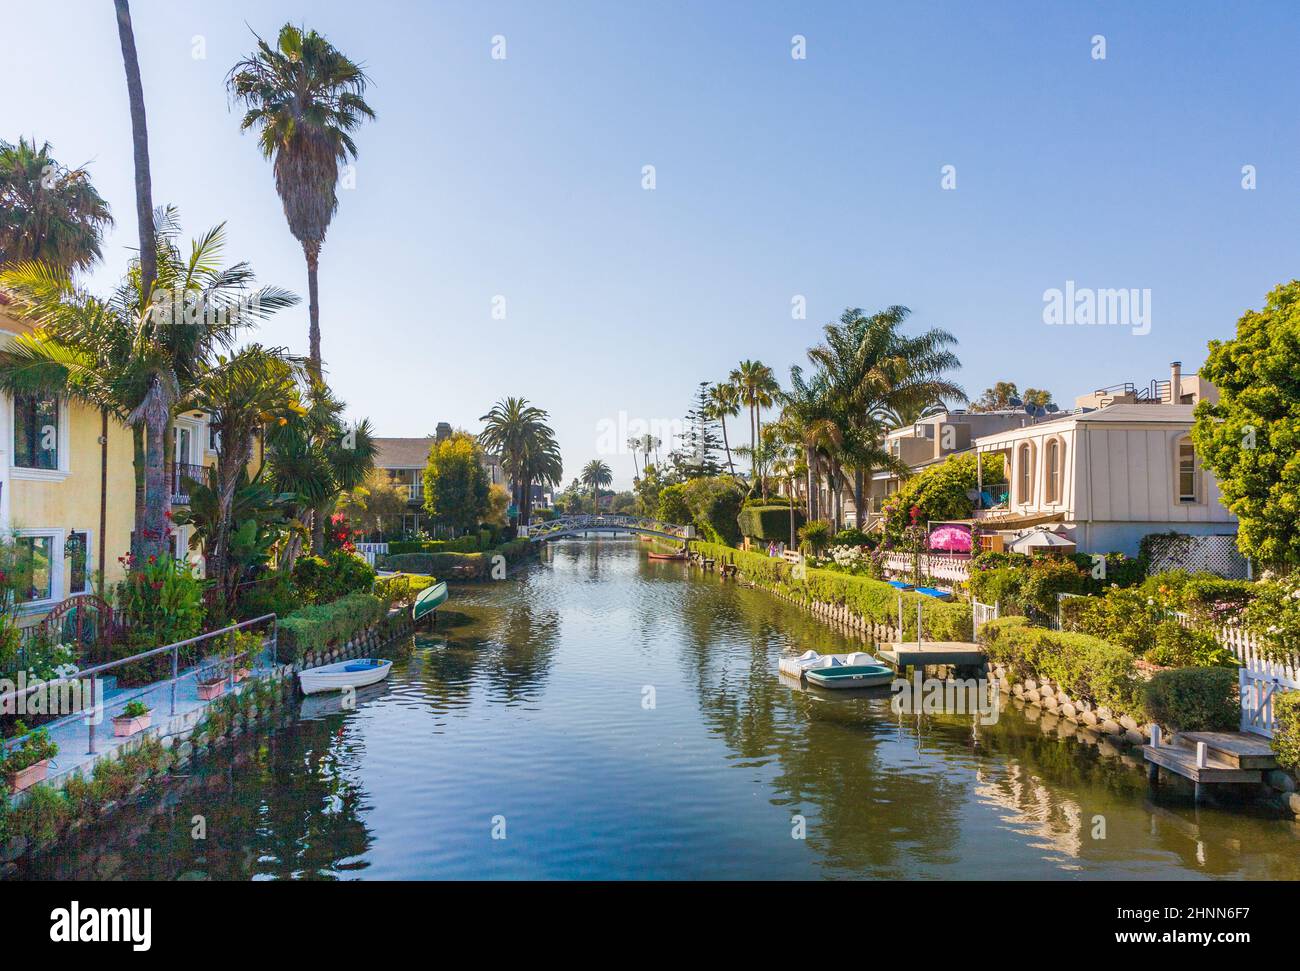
679	555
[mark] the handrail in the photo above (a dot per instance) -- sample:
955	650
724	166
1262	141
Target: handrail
92	674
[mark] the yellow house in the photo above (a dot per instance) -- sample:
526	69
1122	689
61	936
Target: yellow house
67	490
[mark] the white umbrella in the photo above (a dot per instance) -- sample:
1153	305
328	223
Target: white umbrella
1041	539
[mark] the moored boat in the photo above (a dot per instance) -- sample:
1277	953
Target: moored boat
356	673
855	670
429	600
679	555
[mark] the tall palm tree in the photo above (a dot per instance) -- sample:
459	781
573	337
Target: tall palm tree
144	214
724	403
137	364
758	389
596	474
48	212
634	444
304	97
529	453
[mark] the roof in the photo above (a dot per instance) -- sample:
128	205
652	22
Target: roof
402	453
1152	414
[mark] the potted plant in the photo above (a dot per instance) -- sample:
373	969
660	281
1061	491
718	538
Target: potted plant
246	647
134	718
28	763
211	683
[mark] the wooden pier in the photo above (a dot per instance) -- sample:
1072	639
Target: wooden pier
1211	757
911	654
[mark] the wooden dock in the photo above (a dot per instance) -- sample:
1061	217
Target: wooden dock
1213	757
912	654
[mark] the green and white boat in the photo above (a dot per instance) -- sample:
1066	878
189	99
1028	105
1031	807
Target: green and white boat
429	600
856	670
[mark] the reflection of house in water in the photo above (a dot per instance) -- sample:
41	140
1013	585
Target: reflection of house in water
1032	811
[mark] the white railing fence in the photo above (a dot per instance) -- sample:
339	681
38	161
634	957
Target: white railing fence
981	614
939	566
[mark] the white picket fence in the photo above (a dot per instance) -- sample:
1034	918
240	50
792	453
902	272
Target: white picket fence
981	614
955	569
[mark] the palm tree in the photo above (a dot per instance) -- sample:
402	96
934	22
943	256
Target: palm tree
807	420
48	212
305	97
634	444
144	214
724	403
241	395
529	452
758	389
136	364
596	474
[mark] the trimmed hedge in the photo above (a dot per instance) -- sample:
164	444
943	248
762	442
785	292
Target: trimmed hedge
874	600
1195	699
768	522
463	544
455	566
325	625
1286	737
1087	667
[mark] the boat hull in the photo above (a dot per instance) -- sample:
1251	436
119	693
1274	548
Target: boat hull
429	600
336	677
666	556
851	676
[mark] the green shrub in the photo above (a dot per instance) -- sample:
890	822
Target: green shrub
1178	646
768	522
1286	736
1213	601
1194	699
325	579
714	504
42	816
814	537
326	625
873	600
672	505
1088	668
462	544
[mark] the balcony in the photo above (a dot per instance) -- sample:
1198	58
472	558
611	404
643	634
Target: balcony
181	475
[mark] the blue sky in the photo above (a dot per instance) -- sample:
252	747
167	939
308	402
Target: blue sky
775	177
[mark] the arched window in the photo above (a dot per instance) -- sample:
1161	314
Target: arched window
1187	471
1054	460
1025	474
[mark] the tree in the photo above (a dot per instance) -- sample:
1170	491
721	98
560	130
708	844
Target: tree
700	441
455	485
1040	398
135	363
304	97
596	475
1250	438
1004	395
376	504
526	443
48	212
758	389
724	403
498	505
144	214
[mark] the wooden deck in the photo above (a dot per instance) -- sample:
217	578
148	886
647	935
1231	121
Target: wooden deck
911	654
1230	757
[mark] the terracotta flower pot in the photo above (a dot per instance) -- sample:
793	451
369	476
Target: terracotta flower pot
213	689
125	726
24	778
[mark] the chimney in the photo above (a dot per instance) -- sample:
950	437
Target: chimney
443	432
1176	382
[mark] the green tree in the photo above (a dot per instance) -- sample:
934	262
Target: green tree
48	212
376	505
305	98
758	389
526	443
595	476
1250	438
456	490
144	212
724	403
700	441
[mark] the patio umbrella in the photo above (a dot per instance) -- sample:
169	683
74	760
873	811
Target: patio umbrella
954	539
1042	539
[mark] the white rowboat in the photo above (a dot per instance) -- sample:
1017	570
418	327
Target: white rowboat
354	674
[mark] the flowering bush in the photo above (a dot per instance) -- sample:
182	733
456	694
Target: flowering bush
161	601
1274	614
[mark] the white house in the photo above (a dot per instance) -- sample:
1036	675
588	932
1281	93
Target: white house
1111	475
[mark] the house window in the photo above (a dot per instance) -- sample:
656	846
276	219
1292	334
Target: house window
76	559
36	431
1026	479
36	554
1189	475
1054	450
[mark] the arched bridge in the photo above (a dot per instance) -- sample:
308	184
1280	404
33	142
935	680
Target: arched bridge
577	525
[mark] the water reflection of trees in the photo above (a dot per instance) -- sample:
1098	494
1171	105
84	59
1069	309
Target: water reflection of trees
863	814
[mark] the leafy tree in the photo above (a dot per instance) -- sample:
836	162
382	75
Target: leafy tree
714	502
1250	438
455	485
498	505
1005	395
376	505
673	507
595	475
48	212
700	441
305	98
941	491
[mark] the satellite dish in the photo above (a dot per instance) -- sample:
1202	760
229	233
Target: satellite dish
1014	402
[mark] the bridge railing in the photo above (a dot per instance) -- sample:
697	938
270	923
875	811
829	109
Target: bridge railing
567	524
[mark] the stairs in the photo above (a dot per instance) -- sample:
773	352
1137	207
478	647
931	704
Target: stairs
1230	757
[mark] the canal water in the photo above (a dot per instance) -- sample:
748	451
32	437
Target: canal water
601	715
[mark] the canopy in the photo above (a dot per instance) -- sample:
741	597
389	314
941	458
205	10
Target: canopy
1041	539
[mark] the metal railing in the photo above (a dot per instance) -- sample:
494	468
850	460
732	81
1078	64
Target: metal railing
182	473
93	674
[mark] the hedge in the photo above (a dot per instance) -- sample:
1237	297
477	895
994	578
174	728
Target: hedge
1195	699
325	625
873	600
768	522
1086	667
463	544
455	566
1286	736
